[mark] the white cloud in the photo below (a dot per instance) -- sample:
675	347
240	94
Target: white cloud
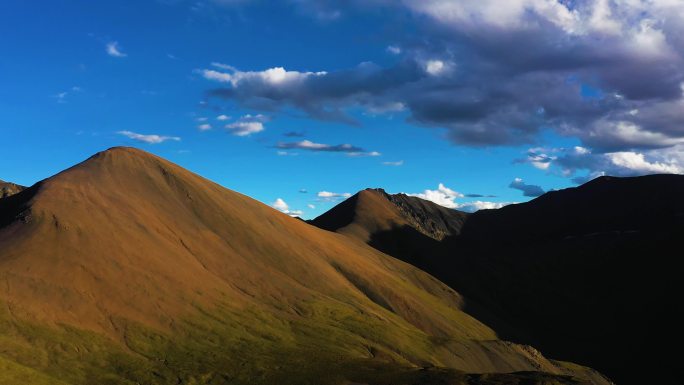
61	97
436	67
286	153
621	163
447	197
394	49
638	163
216	76
245	128
311	206
443	196
328	196
283	207
223	66
246	125
397	163
113	49
627	134
273	76
151	139
280	204
370	153
204	127
482	205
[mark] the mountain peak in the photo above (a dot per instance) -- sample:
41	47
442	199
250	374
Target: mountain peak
372	211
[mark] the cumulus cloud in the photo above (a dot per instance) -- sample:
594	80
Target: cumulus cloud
204	127
498	73
222	117
283	207
482	205
280	204
245	128
447	197
247	125
150	139
638	163
582	164
529	190
308	145
113	49
443	196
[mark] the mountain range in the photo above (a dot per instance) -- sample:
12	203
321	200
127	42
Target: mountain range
588	274
128	269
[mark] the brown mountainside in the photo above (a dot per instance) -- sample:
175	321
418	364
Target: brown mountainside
127	268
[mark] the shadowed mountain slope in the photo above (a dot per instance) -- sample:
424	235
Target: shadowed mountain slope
8	188
129	269
399	225
588	274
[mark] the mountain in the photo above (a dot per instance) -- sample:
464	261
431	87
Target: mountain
7	189
128	269
588	274
398	225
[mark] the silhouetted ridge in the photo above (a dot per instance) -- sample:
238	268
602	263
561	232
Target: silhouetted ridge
602	206
589	274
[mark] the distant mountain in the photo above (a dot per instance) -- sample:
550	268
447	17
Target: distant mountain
7	189
398	224
128	269
588	274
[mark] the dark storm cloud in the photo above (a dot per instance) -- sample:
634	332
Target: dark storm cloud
529	190
479	196
611	77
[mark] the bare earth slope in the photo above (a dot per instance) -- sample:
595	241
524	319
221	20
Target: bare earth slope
588	274
129	269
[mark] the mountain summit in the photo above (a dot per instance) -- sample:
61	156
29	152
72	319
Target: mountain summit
127	268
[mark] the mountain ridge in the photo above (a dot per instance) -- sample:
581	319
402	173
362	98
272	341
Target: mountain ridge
561	262
175	278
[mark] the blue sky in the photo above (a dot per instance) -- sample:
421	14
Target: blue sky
328	96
